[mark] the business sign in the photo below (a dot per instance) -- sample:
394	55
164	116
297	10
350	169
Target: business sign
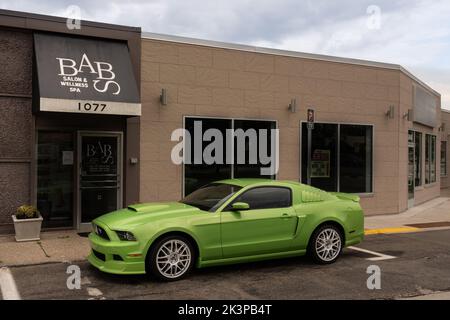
85	76
310	119
425	107
320	164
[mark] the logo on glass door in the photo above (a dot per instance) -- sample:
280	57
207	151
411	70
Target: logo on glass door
99	155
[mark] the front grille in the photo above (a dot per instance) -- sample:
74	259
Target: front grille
101	232
99	255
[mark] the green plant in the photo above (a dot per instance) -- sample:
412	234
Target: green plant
27	212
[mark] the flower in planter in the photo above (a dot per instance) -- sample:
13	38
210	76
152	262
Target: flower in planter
27	212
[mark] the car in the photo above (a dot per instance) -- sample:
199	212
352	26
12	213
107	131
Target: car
226	222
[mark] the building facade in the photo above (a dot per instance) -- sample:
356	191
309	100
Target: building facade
64	133
364	144
87	117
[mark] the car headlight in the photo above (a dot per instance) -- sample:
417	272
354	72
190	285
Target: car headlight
126	236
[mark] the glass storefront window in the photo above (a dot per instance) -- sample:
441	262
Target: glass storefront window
418	158
341	157
443	158
430	159
197	173
355	159
55	165
324	153
249	170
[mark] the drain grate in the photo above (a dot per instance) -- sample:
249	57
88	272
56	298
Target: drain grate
430	225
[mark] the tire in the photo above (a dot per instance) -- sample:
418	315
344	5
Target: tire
326	244
171	258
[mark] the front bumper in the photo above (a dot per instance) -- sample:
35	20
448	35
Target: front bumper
117	257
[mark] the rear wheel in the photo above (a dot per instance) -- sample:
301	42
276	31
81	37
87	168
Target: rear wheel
171	258
326	244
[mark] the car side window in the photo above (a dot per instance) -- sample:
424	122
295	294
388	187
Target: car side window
266	198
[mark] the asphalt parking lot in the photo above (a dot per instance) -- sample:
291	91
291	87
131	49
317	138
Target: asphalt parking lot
418	264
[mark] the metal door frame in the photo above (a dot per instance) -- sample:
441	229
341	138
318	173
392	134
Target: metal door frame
87	226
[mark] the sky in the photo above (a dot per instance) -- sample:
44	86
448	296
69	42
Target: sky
412	33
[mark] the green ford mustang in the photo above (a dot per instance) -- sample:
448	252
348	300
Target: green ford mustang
229	221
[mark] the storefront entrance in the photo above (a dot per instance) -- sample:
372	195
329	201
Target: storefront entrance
100	176
79	177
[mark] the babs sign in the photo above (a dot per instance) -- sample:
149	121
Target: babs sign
85	76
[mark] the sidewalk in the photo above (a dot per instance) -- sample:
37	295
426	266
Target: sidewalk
431	213
55	246
68	246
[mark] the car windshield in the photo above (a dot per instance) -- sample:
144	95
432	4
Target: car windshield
211	196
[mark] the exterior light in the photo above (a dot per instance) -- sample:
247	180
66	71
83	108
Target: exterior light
293	106
390	112
409	115
163	97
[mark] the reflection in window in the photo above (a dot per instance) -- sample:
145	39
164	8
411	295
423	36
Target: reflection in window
198	173
252	170
443	158
430	159
418	158
355	159
324	171
353	150
55	164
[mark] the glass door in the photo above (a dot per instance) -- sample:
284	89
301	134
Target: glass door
411	168
100	173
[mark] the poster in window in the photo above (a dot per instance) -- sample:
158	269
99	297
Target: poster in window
320	164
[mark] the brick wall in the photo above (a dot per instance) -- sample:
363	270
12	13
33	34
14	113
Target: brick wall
15	122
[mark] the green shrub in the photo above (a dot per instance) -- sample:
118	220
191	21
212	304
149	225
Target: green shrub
27	212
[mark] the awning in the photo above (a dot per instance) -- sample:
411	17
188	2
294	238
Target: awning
85	76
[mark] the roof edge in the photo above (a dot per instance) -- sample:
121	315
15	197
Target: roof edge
286	53
60	19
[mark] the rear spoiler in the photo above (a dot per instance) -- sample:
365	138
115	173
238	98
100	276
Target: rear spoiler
346	196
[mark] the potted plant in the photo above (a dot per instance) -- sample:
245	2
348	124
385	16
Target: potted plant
27	223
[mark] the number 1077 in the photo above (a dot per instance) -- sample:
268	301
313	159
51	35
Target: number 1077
91	106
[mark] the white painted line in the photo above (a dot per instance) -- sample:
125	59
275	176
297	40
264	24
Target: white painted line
379	256
8	285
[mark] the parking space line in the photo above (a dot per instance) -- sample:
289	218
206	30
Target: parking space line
8	285
378	256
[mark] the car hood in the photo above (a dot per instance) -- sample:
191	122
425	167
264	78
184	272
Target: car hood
145	212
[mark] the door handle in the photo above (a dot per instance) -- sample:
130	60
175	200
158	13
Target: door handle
286	216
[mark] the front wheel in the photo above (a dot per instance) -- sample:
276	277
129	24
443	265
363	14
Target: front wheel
326	244
171	258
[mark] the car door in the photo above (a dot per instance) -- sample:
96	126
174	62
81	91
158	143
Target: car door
268	226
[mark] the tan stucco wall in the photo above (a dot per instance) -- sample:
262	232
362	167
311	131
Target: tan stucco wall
445	136
206	81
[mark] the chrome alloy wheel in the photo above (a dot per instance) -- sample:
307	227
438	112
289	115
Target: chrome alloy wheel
328	244
173	258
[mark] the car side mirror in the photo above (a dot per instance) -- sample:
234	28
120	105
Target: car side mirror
240	206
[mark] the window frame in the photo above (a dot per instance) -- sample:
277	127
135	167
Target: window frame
232	119
362	194
421	158
444	154
243	191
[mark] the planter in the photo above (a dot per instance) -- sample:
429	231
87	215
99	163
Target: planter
27	229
